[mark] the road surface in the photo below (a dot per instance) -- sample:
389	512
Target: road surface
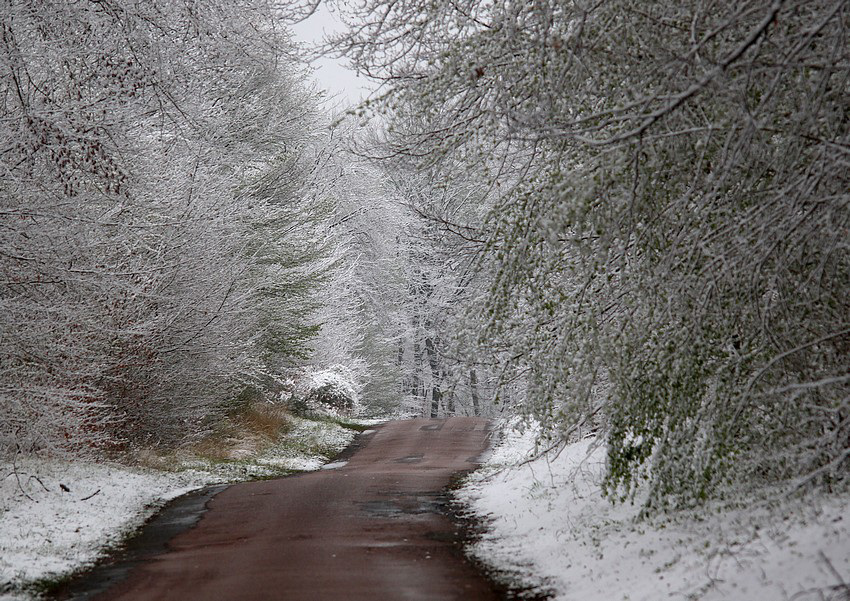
370	529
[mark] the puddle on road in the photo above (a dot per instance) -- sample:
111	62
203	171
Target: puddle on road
399	505
381	509
432	427
411	459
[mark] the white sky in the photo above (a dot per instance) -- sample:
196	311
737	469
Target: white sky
342	83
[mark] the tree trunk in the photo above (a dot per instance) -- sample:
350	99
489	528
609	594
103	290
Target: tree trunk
473	387
450	400
436	393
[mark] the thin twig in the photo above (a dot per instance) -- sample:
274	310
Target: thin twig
37	479
832	569
90	496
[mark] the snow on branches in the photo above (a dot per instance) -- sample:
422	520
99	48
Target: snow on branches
666	241
163	234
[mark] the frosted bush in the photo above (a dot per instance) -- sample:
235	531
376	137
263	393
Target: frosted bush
330	391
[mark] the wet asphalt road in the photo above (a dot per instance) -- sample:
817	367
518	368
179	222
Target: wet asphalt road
372	529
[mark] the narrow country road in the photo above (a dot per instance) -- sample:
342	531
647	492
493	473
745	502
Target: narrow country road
370	529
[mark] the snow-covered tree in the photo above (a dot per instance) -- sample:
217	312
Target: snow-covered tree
667	237
162	230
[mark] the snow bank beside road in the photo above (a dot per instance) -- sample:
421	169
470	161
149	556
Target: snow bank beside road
46	530
550	527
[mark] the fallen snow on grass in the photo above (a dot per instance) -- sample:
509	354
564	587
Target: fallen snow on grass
308	445
56	516
550	529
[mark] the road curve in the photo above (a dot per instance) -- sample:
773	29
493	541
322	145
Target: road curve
371	529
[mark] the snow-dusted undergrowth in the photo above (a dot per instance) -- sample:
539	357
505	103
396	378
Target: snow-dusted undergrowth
47	532
306	446
551	529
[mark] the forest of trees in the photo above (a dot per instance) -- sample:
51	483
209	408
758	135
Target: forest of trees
183	229
168	199
621	217
657	199
160	179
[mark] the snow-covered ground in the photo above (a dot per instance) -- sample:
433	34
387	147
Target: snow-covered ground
551	529
47	531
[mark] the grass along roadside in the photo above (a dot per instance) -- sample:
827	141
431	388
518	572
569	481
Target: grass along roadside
58	517
262	441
